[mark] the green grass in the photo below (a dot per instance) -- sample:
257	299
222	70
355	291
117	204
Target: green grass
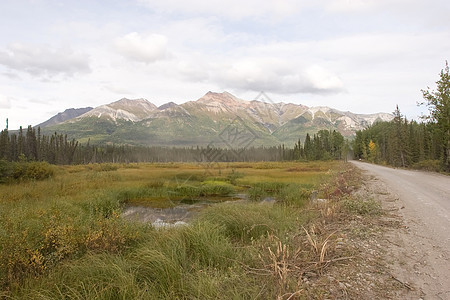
360	206
200	261
63	237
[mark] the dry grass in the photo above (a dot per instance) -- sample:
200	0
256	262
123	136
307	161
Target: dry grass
231	251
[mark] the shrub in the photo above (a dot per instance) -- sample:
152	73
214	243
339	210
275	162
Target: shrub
5	171
428	165
26	171
35	238
39	171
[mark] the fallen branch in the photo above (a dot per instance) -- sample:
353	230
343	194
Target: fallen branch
408	286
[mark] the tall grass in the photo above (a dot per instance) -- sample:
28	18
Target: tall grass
246	222
286	193
35	236
203	261
63	238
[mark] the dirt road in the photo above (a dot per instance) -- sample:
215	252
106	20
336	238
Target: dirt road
420	250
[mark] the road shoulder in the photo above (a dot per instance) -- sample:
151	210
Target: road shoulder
411	255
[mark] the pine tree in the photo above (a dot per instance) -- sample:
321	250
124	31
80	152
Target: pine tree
4	143
399	139
438	103
309	150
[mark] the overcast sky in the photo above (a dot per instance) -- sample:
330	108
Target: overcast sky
364	56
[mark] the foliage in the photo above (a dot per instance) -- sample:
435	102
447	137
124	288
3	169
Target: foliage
20	171
362	206
399	143
233	176
32	171
404	143
286	193
373	152
325	145
58	149
428	165
5	171
261	190
64	238
294	194
246	222
438	103
37	238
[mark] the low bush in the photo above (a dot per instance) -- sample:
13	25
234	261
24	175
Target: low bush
5	171
33	171
20	171
428	165
35	237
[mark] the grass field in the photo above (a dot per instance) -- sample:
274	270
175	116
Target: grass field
64	237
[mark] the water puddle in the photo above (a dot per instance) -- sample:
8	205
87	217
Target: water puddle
178	215
163	217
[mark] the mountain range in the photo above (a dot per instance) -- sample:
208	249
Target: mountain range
218	119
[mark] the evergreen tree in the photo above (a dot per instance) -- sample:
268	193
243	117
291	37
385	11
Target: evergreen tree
4	143
438	103
309	149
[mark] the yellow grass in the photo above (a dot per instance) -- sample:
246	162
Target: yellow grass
77	212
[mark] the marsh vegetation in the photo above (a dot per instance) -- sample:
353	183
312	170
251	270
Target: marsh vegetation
64	237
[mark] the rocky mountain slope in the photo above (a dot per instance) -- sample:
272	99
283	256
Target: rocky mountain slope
208	120
64	116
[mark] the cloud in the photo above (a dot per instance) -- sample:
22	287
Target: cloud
142	48
277	76
5	102
11	75
234	9
351	6
44	61
323	81
117	90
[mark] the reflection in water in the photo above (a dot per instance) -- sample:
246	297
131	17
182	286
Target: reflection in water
163	217
175	216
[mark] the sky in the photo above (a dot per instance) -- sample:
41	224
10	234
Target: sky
363	56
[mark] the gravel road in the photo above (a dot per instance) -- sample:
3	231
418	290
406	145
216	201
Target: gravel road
421	255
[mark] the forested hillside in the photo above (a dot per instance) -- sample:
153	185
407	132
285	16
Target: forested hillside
404	143
31	145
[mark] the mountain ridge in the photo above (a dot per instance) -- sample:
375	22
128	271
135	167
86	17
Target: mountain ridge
61	117
199	122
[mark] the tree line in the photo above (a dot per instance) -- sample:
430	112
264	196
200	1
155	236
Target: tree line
31	145
324	145
403	143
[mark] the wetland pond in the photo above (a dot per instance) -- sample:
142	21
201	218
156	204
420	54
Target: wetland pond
179	212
